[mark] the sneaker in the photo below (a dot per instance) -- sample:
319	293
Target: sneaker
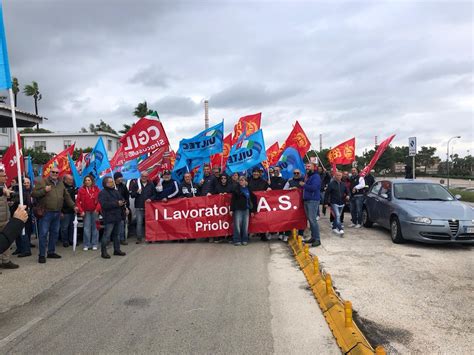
42	259
237	244
352	225
285	239
357	226
105	255
54	256
335	231
23	255
9	265
85	249
94	247
120	253
316	243
244	243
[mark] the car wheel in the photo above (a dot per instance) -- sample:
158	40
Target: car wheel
396	231
365	218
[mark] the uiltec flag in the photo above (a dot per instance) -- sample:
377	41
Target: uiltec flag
30	171
145	136
378	153
75	173
289	161
250	124
247	152
298	140
60	161
97	160
205	144
342	154
5	77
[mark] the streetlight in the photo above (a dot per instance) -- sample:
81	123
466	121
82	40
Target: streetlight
447	156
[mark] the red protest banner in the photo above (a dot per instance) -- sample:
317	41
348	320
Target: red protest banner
145	136
208	216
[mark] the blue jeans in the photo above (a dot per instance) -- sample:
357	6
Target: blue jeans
356	208
337	210
311	209
67	227
122	230
241	226
140	216
49	224
91	234
111	230
23	241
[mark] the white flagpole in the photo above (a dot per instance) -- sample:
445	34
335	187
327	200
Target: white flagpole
17	146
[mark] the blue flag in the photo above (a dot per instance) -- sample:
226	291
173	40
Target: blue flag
247	152
187	165
290	160
29	170
5	78
205	144
75	173
129	170
97	160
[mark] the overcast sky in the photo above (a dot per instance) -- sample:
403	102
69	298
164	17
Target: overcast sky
342	69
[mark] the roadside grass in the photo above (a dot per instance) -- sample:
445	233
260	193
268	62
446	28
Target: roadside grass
465	195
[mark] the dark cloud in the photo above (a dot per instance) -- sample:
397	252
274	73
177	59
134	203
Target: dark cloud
176	106
152	76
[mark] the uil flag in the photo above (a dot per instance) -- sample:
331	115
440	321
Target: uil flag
205	144
75	174
9	162
61	161
378	153
97	160
249	124
5	78
298	140
247	152
289	161
146	136
343	154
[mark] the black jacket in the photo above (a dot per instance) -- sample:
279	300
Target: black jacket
277	183
10	232
170	190
325	179
336	193
208	185
239	201
220	189
148	192
369	180
72	191
354	182
293	182
259	184
188	190
111	210
123	190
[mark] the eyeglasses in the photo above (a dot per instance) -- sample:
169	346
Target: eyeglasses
296	173
54	172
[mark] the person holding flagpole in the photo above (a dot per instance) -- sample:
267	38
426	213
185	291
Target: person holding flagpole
311	198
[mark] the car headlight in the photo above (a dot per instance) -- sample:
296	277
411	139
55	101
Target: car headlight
423	220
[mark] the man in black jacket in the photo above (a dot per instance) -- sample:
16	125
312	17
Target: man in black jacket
337	194
187	188
207	184
123	191
277	182
67	213
142	191
257	183
167	188
13	228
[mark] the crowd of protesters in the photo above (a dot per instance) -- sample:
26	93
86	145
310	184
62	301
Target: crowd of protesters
49	208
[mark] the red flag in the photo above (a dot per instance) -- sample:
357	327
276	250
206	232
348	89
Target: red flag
146	136
344	153
220	159
9	162
378	153
250	123
61	161
272	153
155	158
298	140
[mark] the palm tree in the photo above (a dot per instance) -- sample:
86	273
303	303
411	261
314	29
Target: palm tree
15	89
125	129
142	110
33	90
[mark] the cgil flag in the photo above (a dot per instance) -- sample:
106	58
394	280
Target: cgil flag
205	144
378	153
5	77
290	160
9	162
247	152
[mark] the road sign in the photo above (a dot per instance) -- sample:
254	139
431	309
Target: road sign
412	146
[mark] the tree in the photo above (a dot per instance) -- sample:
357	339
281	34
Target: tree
38	156
102	127
33	90
15	89
426	156
126	128
142	110
38	130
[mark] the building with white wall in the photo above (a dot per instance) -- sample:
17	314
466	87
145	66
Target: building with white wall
57	142
23	119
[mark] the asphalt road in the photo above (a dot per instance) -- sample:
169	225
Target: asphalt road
411	298
164	298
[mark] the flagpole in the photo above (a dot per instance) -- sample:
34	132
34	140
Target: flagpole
17	145
192	187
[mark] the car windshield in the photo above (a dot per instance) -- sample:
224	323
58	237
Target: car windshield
422	192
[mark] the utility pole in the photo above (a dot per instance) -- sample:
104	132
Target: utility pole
320	142
447	157
206	114
375	141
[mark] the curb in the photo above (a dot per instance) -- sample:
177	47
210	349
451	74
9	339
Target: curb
337	312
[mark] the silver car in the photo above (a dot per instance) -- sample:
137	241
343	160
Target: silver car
418	210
